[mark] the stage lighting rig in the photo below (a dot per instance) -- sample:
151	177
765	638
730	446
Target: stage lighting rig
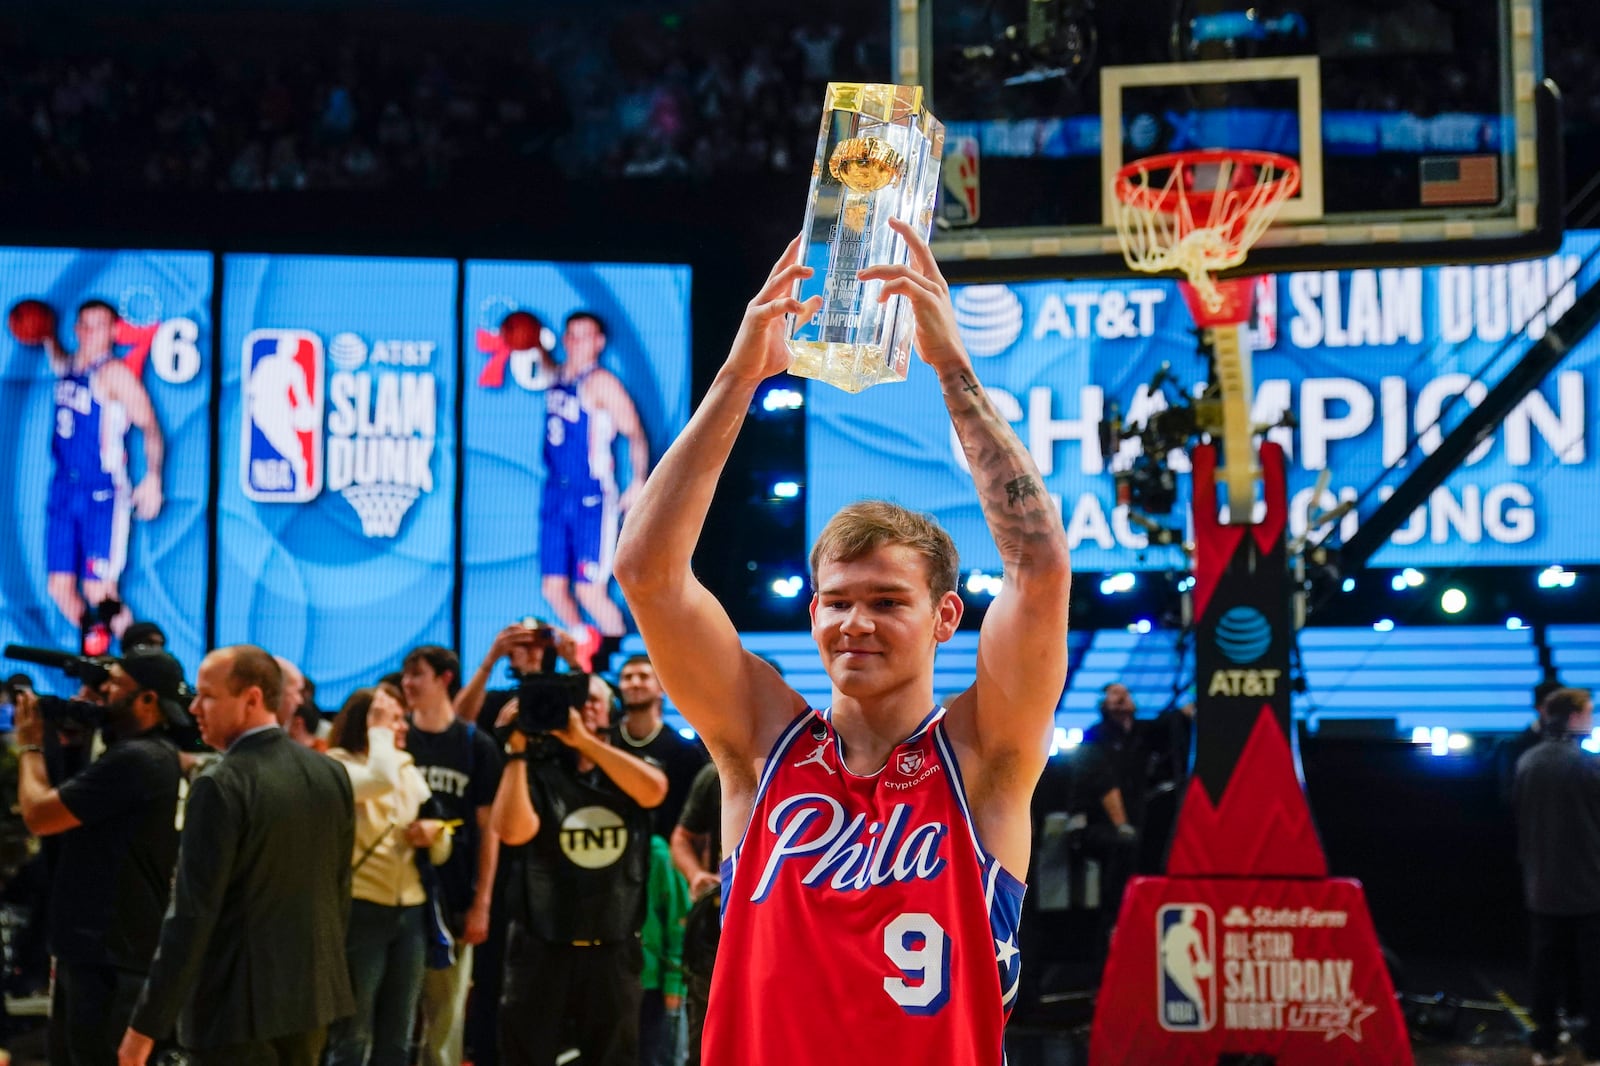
1147	484
1052	40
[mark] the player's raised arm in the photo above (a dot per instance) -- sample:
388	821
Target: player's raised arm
612	397
1022	653
123	386
737	702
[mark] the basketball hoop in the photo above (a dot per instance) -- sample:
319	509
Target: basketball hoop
381	507
1199	212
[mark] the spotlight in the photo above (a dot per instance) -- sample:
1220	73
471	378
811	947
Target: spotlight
1592	744
1419	735
1348	585
1383	625
1453	601
1186	584
1115	583
1141	627
1398	583
1514	623
785	490
1439	741
1065	740
1414	577
982	584
1556	576
686	733
788	587
1458	742
783	399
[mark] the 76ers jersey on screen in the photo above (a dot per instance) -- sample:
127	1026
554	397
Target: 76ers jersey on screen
282	382
868	921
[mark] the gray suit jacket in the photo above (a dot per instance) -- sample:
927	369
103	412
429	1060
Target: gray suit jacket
252	946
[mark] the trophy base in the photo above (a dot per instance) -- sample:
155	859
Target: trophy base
851	367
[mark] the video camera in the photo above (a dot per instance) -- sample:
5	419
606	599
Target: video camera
92	670
545	700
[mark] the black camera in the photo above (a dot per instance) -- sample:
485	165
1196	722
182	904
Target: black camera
92	670
67	714
544	701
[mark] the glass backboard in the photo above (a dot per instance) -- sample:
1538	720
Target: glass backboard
1423	128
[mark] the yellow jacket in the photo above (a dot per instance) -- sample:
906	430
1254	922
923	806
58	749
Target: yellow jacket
389	792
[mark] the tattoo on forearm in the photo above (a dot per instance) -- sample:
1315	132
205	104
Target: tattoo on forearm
1020	489
1020	514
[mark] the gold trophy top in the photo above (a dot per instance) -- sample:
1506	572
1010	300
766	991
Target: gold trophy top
866	164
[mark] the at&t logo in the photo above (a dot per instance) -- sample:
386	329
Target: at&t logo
989	318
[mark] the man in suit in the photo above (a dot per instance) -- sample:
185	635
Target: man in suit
251	964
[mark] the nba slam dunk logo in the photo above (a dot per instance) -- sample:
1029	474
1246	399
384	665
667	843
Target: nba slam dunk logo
381	421
1186	959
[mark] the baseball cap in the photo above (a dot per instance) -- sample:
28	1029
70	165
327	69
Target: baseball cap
159	672
143	634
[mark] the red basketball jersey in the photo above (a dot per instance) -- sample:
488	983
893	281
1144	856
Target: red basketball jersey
862	919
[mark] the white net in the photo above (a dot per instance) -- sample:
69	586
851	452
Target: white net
381	507
1199	217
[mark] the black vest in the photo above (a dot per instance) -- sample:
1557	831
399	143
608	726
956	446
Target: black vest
585	874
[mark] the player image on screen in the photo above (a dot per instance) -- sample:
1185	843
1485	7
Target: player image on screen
586	409
98	398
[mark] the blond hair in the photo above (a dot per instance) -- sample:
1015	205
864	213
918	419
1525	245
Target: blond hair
864	527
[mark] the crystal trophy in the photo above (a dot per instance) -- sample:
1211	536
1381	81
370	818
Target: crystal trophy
877	159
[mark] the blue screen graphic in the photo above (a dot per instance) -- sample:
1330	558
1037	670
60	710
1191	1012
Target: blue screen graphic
337	461
552	455
86	515
1366	360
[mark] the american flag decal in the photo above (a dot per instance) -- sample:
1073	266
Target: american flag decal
1461	179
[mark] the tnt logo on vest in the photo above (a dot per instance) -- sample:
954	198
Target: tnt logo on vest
593	837
1186	953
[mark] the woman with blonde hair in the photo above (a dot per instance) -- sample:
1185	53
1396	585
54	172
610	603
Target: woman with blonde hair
386	943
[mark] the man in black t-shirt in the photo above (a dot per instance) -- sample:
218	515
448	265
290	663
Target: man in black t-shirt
117	820
461	764
643	732
697	853
577	811
530	646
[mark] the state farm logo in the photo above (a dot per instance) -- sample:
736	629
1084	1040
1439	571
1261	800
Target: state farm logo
1284	918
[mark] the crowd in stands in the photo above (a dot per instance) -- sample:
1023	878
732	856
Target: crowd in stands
626	89
615	94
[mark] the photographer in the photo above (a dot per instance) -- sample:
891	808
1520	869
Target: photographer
573	956
117	820
530	646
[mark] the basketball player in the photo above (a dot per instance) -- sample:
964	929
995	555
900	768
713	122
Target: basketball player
874	885
97	400
586	409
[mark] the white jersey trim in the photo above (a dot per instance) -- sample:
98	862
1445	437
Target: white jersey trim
779	751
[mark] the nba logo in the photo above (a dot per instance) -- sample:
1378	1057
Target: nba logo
282	387
1186	954
1263	325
